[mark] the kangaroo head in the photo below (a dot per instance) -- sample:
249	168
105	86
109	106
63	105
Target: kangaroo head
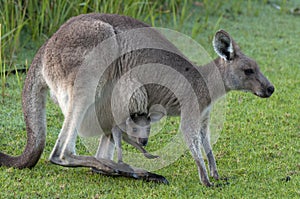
138	126
239	72
138	129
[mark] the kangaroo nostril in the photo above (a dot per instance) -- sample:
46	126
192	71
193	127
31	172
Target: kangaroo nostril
143	141
270	90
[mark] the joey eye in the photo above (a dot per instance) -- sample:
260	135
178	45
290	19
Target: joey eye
248	71
134	130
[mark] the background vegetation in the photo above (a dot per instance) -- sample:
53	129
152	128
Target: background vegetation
258	151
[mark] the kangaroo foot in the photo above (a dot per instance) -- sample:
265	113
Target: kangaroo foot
126	170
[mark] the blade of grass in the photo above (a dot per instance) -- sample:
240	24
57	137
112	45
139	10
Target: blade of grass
18	77
2	68
174	13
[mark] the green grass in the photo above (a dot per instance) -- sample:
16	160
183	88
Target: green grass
258	149
33	21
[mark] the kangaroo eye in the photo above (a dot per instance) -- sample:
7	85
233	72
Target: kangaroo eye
248	71
134	130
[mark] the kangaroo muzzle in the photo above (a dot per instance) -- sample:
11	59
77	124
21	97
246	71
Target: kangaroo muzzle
270	90
266	88
143	141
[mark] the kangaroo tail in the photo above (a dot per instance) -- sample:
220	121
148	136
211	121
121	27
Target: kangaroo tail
33	102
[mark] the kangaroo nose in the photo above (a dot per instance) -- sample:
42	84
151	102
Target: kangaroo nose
143	141
270	90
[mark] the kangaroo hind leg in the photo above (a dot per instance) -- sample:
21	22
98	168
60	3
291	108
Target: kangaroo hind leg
64	152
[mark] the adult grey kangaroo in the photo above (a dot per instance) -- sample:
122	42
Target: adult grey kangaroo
68	64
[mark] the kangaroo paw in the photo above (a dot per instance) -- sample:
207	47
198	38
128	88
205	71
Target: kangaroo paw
150	156
215	175
208	184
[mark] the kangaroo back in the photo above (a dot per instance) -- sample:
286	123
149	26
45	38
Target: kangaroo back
34	100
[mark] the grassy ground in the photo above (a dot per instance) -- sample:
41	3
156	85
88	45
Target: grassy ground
258	150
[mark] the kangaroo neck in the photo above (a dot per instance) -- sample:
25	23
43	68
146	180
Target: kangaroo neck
221	66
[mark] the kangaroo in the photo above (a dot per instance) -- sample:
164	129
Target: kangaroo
90	53
137	133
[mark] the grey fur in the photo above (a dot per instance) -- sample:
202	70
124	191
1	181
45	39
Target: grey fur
70	62
137	133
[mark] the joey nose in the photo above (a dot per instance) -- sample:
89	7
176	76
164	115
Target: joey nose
143	141
270	90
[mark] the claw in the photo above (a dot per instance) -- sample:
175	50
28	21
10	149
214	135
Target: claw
156	178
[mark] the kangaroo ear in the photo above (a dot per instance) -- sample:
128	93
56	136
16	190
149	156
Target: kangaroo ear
156	112
156	116
223	46
129	121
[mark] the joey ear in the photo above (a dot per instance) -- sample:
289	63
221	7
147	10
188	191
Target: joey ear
156	112
129	121
156	116
223	45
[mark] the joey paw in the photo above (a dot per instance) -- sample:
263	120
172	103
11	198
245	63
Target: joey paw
150	156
